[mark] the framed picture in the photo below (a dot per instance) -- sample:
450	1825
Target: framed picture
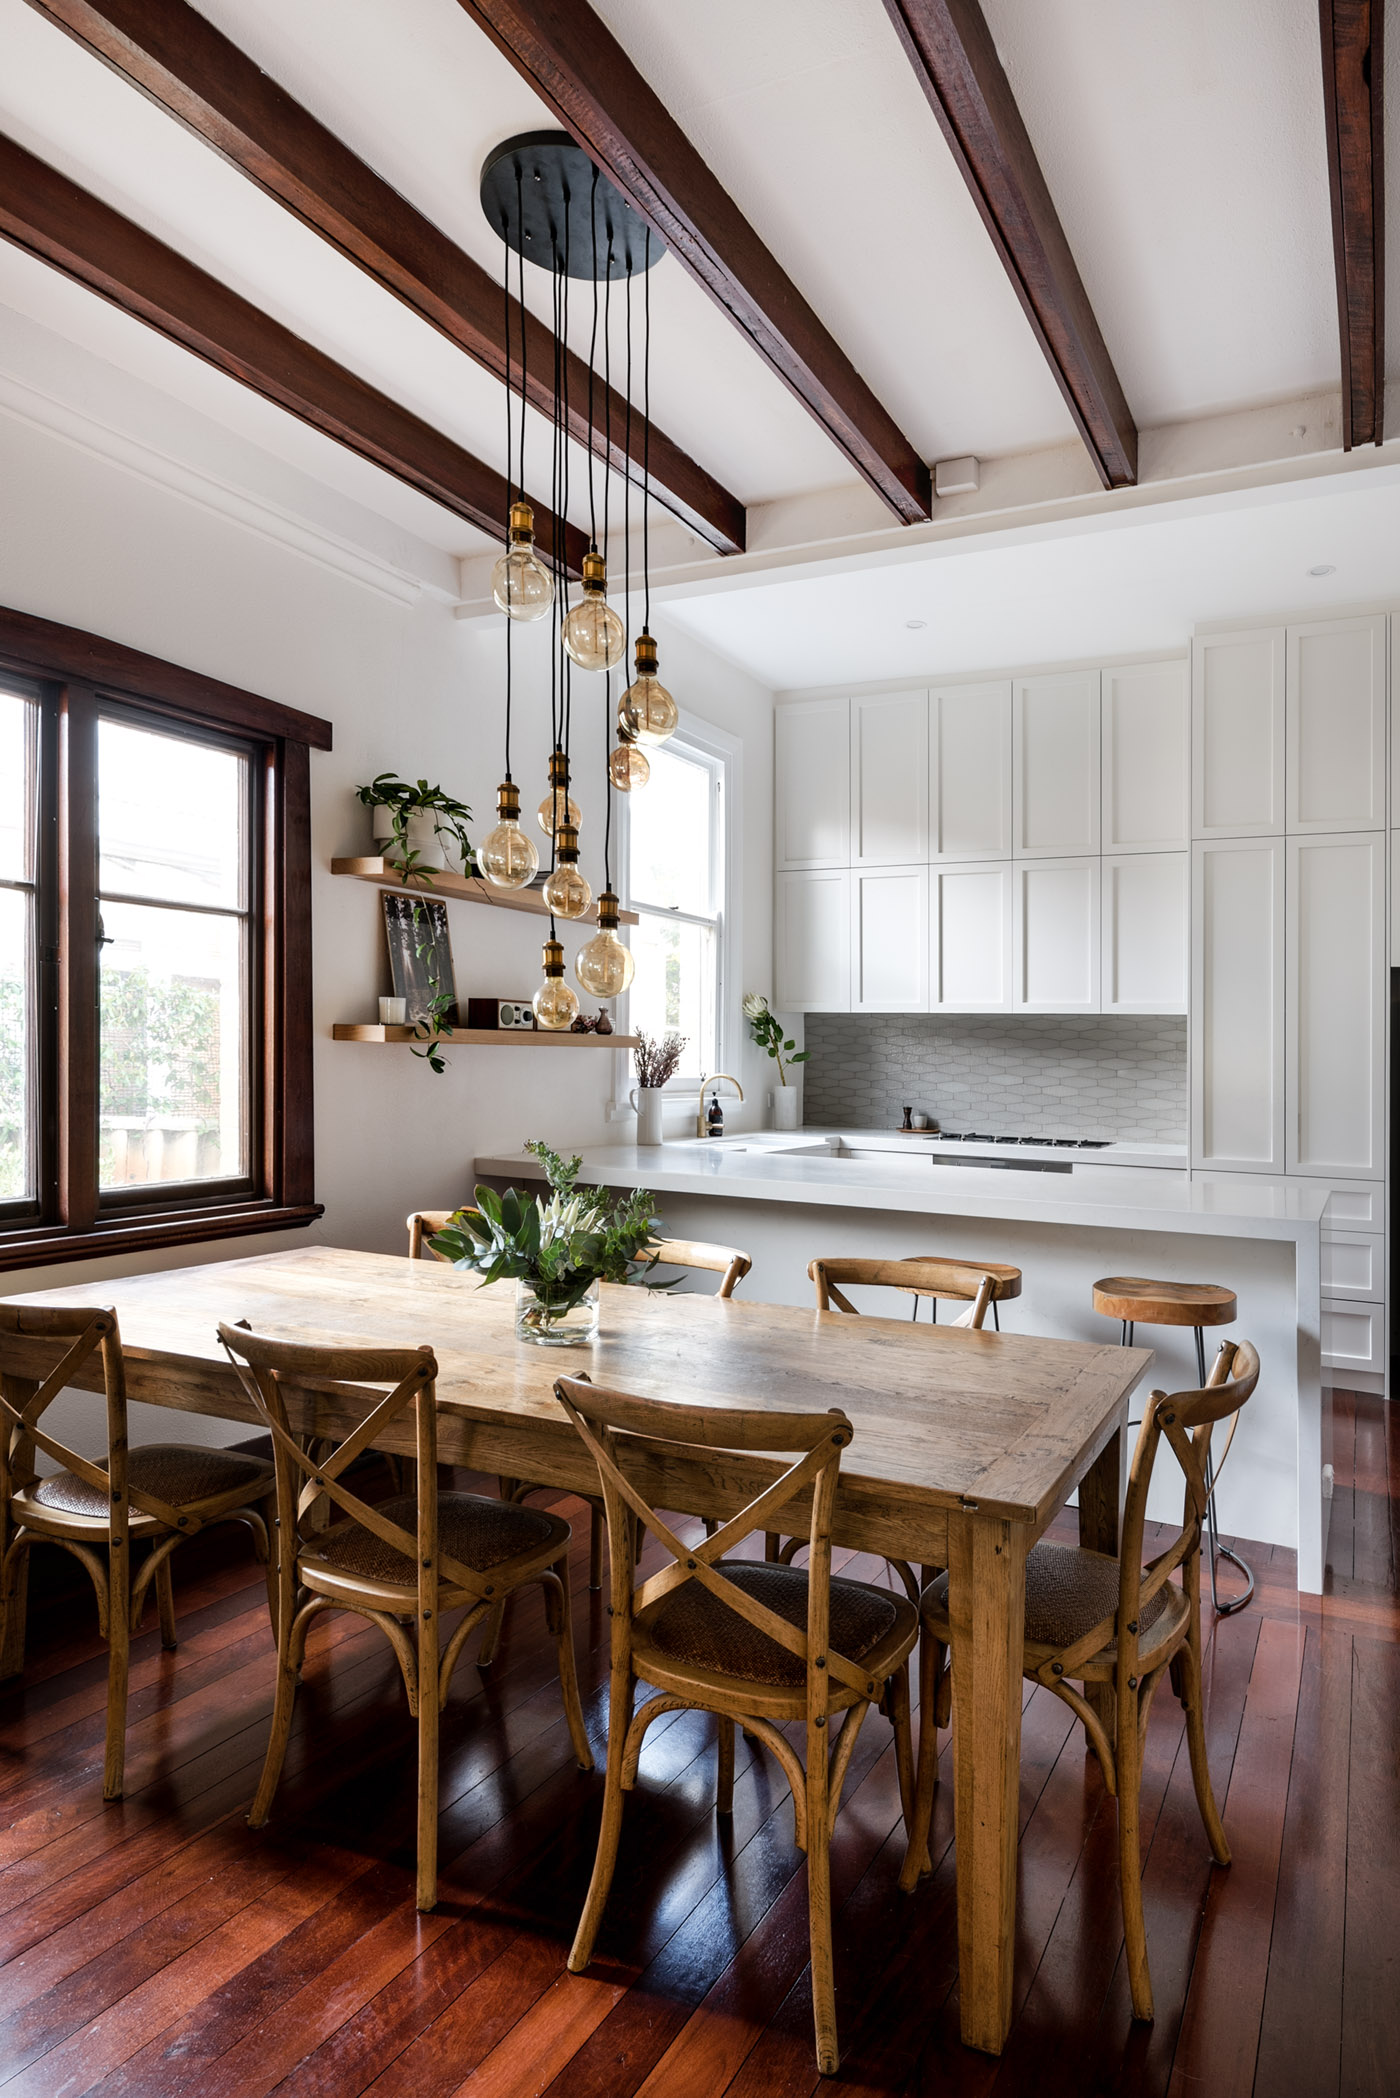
420	954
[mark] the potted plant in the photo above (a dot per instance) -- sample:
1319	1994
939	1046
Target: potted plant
557	1252
767	1031
410	820
656	1063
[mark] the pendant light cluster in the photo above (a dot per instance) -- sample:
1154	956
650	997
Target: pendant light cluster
551	206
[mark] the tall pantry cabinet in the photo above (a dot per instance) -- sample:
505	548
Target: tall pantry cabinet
1289	997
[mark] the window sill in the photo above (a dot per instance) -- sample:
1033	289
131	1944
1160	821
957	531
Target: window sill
35	1246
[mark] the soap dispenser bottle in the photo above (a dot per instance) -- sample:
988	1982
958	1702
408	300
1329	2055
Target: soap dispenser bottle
714	1120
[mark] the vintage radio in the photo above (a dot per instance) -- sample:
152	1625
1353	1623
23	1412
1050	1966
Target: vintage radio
509	1015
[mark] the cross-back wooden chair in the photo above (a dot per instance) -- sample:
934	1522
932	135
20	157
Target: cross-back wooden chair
768	1646
423	1227
413	1556
1092	1618
964	1281
158	1495
724	1261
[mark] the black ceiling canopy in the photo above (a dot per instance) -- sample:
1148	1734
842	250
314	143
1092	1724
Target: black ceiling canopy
544	196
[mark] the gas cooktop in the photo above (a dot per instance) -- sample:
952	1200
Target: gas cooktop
1046	1143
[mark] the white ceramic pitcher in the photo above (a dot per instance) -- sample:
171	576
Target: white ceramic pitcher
646	1099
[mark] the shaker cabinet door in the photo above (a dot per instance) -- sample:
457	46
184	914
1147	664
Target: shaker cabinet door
969	733
1147	757
1337	991
1056	785
1146	931
1056	932
1237	1005
812	942
1336	725
812	783
1237	734
889	940
889	780
970	937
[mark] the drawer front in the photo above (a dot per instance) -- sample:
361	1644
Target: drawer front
1353	1264
1355	1205
1353	1337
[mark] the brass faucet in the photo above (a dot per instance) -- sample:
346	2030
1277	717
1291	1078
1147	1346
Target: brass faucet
714	1079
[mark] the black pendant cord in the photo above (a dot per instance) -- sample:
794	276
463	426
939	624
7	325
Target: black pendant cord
509	498
592	361
567	697
646	439
520	278
556	613
627	510
607	496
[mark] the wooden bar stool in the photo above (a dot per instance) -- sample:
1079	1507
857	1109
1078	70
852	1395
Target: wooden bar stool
1134	1300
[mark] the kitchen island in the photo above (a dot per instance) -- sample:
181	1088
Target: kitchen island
786	1199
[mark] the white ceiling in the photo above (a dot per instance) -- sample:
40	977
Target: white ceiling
1122	587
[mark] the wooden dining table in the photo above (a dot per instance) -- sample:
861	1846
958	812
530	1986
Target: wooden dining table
966	1446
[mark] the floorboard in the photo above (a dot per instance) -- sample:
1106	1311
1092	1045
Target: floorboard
157	1948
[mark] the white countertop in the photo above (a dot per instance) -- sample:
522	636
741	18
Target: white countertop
803	1167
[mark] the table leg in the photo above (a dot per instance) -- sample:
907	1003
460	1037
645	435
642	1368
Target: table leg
1100	1500
987	1607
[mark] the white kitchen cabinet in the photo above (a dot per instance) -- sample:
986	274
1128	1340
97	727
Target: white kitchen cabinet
1335	765
812	783
889	780
1237	734
969	730
1056	786
1147	758
1237	1005
1353	1338
971	937
1354	1205
889	940
1353	1264
1336	1005
1146	927
1056	958
812	942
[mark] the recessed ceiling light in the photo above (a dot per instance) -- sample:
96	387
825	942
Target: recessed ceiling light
1323	568
916	622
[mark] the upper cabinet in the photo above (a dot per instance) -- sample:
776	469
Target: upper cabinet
889	780
889	940
1237	1005
1055	936
1237	734
1336	1005
812	775
1336	710
969	733
1055	765
1147	758
812	942
971	937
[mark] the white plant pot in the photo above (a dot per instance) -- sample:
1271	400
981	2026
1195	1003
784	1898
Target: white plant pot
785	1107
420	837
646	1099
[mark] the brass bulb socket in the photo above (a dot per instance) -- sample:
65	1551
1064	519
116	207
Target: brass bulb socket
595	573
646	656
553	957
559	768
566	842
522	522
507	800
607	911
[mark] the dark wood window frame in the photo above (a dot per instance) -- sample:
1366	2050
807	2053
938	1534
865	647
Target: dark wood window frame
77	672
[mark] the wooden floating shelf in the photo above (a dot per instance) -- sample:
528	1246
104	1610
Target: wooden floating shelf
461	888
482	1037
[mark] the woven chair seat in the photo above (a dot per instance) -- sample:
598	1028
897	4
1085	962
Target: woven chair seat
170	1471
482	1533
1068	1591
692	1626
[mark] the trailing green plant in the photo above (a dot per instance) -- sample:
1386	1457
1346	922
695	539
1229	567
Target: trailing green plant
767	1031
560	1247
406	798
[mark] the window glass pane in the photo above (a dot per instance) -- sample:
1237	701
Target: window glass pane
17	1033
18	725
172	1063
171	819
670	843
673	990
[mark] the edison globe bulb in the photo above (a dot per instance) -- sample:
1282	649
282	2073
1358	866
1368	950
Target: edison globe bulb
505	855
604	966
594	636
628	767
555	1004
557	809
646	706
566	892
520	583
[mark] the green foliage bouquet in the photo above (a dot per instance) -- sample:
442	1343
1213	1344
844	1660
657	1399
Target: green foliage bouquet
557	1251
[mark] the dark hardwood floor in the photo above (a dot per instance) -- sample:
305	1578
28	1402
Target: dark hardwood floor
160	1947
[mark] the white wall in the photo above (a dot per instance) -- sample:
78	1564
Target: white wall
87	542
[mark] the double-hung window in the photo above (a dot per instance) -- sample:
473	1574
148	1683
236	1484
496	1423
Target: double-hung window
155	1015
676	859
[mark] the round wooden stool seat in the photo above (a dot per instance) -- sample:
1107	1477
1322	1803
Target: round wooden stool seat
1138	1301
1007	1279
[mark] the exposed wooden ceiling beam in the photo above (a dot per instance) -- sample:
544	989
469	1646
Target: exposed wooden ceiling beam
577	66
1352	75
950	48
44	212
178	58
